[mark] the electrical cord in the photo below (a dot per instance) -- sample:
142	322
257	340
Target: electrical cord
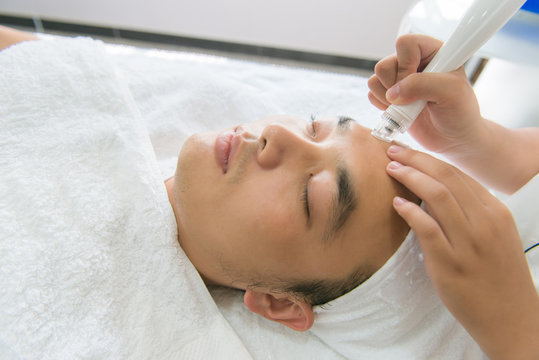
531	247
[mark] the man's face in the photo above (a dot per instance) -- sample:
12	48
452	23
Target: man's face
284	198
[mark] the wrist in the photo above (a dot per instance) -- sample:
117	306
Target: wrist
521	343
476	142
483	153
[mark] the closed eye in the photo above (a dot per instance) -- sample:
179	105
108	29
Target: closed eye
305	200
312	126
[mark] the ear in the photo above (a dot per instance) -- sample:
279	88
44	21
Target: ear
284	309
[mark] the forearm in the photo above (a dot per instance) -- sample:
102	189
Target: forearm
10	37
513	335
503	159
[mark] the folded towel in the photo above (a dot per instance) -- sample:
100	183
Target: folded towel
396	314
180	94
90	266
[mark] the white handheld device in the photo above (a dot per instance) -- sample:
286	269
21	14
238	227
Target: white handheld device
479	23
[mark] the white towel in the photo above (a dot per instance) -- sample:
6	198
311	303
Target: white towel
396	314
90	266
181	93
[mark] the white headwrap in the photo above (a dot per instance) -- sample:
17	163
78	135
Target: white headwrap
396	314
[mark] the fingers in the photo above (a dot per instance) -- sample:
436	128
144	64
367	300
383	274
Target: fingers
380	105
435	245
377	93
441	202
414	52
397	72
437	88
466	190
455	201
386	71
383	78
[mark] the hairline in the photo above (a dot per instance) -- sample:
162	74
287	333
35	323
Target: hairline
316	291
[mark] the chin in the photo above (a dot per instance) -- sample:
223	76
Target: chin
195	161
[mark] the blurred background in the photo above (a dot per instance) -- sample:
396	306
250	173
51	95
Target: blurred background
338	35
357	29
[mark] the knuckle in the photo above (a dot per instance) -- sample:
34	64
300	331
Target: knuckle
405	40
373	81
414	157
385	68
503	214
445	171
439	194
379	67
411	83
403	68
459	269
430	231
409	87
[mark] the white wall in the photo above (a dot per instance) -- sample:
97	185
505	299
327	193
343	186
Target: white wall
356	28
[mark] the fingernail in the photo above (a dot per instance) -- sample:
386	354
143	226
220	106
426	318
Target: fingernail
394	149
397	200
393	93
394	165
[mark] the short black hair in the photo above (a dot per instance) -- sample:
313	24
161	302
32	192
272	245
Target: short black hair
318	292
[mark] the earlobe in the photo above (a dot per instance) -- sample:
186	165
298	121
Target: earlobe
296	314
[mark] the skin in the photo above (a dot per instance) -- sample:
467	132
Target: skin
10	37
451	123
473	254
472	250
250	223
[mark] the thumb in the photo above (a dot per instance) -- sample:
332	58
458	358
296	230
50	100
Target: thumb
433	87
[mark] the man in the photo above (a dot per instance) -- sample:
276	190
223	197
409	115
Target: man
295	212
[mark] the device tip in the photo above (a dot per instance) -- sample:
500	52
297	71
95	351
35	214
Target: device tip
387	130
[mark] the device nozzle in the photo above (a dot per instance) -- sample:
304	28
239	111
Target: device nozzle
388	129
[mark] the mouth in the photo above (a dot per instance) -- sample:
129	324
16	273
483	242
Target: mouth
225	146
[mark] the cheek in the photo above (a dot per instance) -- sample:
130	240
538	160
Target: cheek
259	222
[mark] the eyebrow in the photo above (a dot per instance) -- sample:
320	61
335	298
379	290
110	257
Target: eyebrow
343	205
345	201
343	123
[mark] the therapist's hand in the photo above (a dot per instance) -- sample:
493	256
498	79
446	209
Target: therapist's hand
472	254
451	119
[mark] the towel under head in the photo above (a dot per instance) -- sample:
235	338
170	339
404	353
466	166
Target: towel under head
90	265
394	314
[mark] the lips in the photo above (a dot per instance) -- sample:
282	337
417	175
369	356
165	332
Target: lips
223	147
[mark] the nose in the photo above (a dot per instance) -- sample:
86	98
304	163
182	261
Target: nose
281	144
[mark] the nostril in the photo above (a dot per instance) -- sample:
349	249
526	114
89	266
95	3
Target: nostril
264	142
